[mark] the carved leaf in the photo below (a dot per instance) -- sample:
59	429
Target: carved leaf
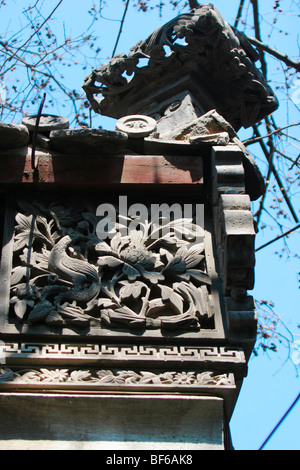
106	303
192	256
149	378
30	228
206	378
73	314
131	289
40	311
7	375
130	272
223	379
168	295
194	295
152	276
156	308
24	222
167	378
123	316
118	243
182	227
44	227
165	254
167	240
102	248
21	240
176	266
80	375
200	276
17	275
109	261
20	308
58	375
54	319
33	376
108	377
35	259
180	321
129	376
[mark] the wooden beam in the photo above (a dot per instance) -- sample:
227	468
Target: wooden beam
98	171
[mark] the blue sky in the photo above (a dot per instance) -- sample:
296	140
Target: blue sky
272	384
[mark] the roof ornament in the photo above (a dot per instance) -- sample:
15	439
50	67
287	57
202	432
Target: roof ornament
196	51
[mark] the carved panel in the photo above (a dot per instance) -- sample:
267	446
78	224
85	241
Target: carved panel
146	275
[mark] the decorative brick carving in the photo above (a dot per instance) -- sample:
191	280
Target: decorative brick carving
99	379
64	275
233	219
93	353
235	237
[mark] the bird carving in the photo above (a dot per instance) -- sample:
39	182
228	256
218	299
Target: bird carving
71	269
77	271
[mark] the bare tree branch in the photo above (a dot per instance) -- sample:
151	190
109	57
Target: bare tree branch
35	32
258	36
121	27
277	131
279	237
262	201
276	175
283	57
239	15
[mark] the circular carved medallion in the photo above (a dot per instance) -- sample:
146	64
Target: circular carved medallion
47	122
136	125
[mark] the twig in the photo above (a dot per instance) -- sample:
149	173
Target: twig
261	204
36	31
277	131
121	27
258	36
290	159
239	15
283	57
289	136
277	177
278	238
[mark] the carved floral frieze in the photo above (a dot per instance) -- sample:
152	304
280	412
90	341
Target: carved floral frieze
155	276
114	377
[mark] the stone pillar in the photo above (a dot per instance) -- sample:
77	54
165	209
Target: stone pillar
111	422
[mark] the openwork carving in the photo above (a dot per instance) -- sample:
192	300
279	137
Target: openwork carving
200	42
64	274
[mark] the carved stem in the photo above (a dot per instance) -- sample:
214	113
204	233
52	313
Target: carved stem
145	303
